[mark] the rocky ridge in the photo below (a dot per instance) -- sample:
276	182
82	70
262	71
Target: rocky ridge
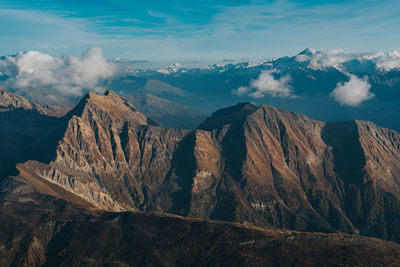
253	165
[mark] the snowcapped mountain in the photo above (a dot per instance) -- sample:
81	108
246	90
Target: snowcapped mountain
308	59
328	85
173	68
342	60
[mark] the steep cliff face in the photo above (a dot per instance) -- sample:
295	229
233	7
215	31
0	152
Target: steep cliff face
110	154
288	171
253	165
274	169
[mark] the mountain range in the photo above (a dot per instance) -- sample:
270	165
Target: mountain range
104	163
328	85
310	77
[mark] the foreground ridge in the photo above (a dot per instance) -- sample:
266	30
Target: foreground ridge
40	230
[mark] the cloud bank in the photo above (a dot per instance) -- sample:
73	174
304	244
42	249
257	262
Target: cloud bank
353	92
69	75
266	84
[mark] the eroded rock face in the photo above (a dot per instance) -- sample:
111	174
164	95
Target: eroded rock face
111	154
259	166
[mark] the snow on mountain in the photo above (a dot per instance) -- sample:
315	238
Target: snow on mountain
340	59
173	68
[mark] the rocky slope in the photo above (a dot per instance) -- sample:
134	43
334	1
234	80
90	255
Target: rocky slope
253	165
40	230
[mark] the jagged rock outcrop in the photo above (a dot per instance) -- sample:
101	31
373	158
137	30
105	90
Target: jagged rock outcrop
253	165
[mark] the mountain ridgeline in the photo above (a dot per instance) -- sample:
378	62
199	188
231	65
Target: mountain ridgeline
252	165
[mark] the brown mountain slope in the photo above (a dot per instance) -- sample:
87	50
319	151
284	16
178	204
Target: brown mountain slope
39	230
261	166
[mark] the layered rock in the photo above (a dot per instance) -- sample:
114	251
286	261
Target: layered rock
110	153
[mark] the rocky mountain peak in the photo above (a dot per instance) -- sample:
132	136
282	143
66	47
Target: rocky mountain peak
109	105
307	52
234	114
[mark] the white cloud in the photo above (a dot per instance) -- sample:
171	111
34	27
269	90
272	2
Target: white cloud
242	90
302	58
353	92
69	75
266	84
325	58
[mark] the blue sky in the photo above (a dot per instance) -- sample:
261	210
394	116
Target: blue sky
198	30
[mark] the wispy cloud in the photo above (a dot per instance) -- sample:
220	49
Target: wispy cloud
43	30
175	31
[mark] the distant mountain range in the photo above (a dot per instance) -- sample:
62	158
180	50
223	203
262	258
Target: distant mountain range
165	112
311	76
329	85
